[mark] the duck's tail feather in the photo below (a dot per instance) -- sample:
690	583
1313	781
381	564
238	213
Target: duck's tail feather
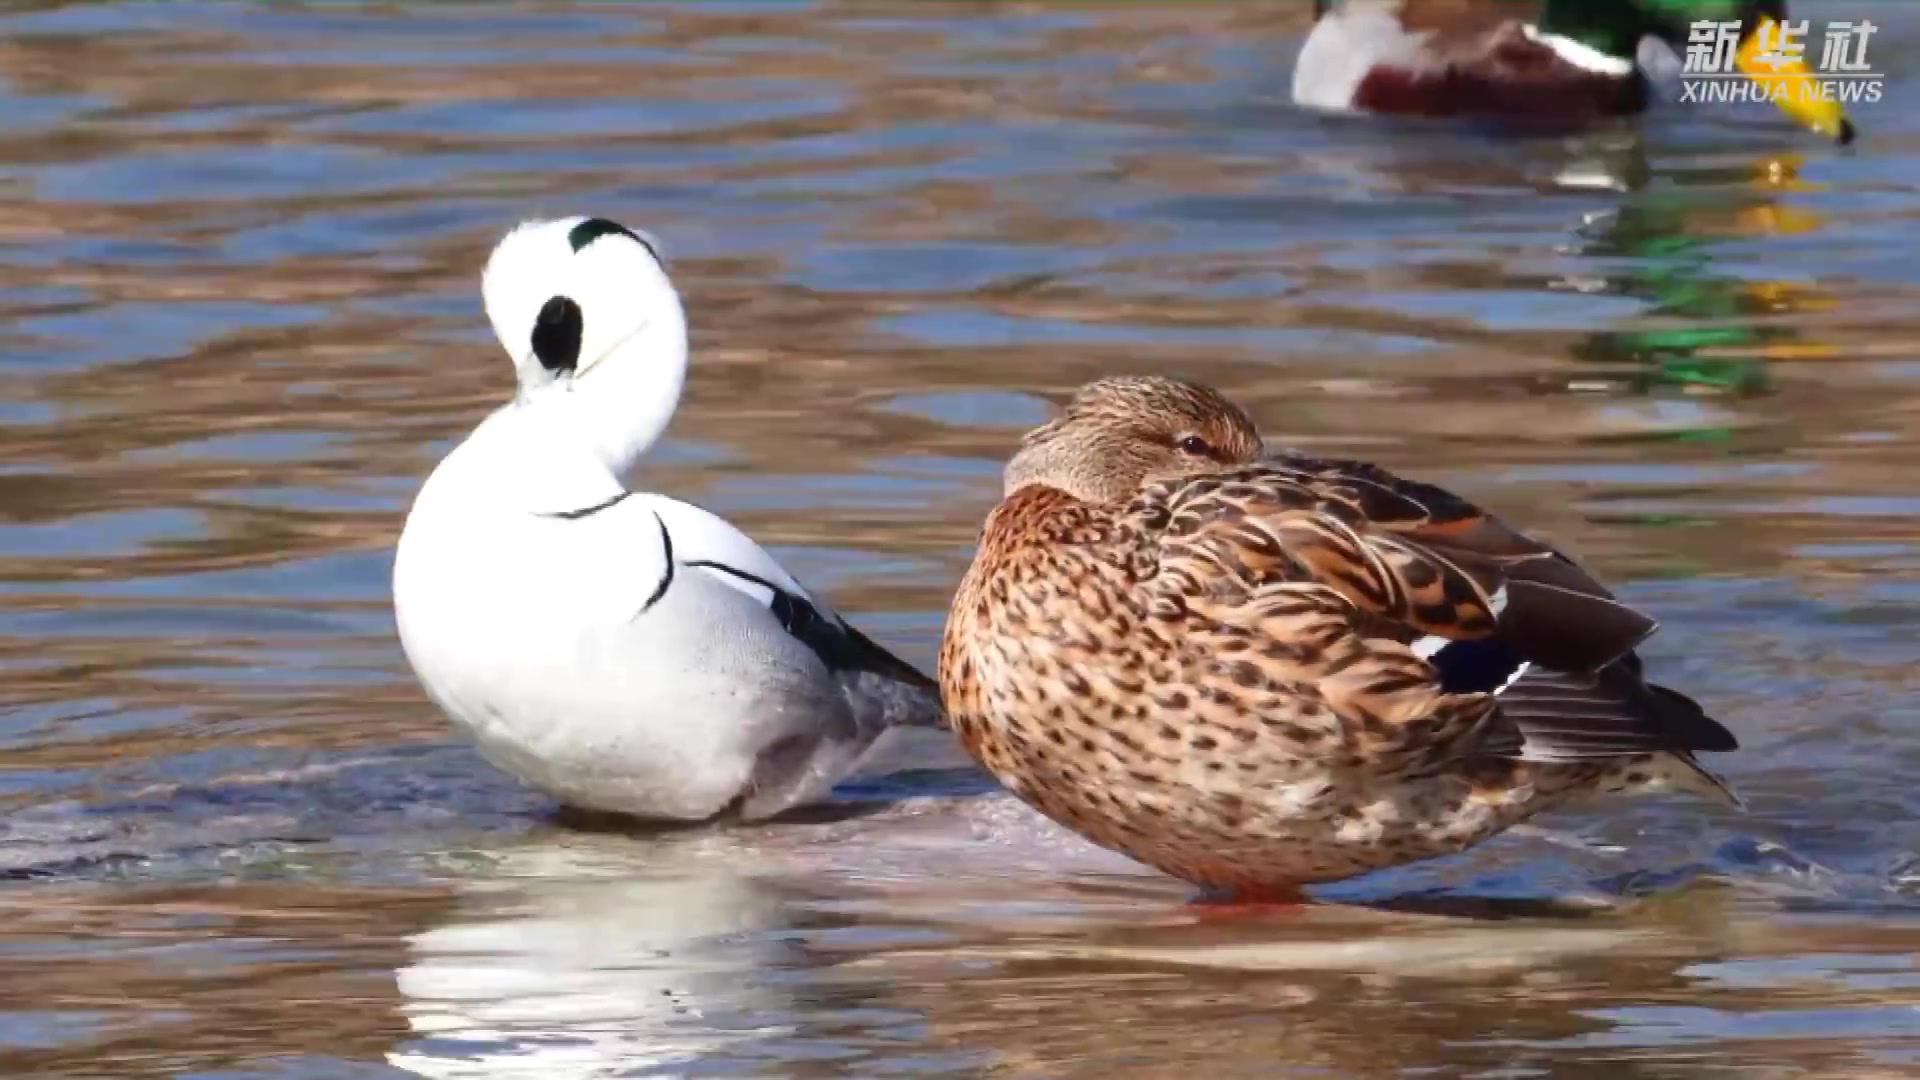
881	700
1673	771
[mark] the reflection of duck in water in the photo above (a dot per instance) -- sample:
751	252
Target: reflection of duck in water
1670	236
572	956
622	651
1254	672
1575	65
569	970
1314	991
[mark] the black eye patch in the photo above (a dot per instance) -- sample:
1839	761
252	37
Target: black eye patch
556	334
594	228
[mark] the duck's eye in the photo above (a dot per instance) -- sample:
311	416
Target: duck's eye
556	334
1195	445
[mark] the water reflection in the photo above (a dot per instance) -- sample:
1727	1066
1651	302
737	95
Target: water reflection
585	958
1715	326
589	955
557	968
239	320
162	981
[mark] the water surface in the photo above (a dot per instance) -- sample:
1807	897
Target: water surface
239	320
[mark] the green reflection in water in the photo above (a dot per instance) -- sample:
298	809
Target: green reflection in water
1727	326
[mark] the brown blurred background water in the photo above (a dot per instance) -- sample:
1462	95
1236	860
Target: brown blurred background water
239	320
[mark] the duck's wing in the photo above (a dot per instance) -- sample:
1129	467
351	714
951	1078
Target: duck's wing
704	542
1487	612
1540	601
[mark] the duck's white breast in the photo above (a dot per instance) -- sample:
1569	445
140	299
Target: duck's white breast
583	659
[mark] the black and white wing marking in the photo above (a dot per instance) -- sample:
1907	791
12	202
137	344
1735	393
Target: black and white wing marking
699	541
1569	715
840	646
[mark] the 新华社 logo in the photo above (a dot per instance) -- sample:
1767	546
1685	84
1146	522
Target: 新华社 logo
1772	64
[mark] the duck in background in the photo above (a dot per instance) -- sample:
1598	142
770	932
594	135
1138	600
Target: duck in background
1255	671
624	652
1576	64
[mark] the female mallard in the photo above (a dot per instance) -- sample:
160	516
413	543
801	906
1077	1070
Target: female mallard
1574	66
1257	672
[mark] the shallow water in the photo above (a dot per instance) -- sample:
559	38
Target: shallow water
239	319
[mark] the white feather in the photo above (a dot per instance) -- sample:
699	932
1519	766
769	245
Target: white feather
1579	54
1518	672
1429	646
1344	46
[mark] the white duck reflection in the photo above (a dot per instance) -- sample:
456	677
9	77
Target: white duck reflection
581	955
576	965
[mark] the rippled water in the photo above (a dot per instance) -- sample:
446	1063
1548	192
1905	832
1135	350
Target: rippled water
239	320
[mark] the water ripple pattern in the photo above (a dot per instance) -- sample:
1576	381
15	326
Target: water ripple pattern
239	319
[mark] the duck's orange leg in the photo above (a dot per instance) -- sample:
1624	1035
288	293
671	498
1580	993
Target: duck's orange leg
1252	900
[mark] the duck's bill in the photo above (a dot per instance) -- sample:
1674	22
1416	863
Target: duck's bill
1792	87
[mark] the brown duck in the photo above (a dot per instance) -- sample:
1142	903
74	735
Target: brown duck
1256	672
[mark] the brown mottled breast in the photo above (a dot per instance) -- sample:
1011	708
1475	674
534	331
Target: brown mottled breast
1046	574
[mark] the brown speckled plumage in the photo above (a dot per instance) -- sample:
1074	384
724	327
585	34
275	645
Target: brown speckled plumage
1230	666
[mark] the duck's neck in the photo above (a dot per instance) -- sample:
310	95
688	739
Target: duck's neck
564	447
618	408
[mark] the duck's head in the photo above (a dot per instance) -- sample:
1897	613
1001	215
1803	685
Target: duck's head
598	339
1615	27
1119	433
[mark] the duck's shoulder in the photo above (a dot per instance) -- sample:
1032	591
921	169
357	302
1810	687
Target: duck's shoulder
1040	531
1410	553
1039	547
1364	492
1357	494
1040	515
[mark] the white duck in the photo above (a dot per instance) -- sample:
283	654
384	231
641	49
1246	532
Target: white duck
624	652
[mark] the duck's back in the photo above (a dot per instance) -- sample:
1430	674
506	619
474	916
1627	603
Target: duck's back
1471	60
